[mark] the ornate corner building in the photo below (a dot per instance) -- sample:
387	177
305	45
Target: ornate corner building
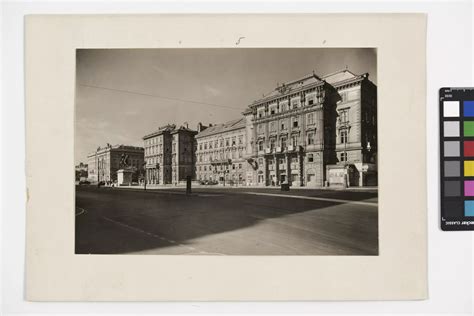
314	131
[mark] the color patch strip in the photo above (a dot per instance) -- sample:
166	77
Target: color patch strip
469	108
468	208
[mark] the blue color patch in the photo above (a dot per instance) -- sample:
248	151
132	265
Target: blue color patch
468	208
469	108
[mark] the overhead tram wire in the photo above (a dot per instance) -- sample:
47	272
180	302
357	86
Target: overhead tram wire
160	96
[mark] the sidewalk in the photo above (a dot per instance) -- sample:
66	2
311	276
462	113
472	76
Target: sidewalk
229	187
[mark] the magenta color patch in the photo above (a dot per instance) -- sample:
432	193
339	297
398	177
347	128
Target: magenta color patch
468	188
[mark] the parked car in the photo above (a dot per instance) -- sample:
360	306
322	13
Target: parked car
84	182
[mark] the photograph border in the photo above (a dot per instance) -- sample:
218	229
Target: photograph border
54	273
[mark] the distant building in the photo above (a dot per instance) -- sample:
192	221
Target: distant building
105	161
221	151
81	171
170	154
315	131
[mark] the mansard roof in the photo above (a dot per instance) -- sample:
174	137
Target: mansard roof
335	79
221	128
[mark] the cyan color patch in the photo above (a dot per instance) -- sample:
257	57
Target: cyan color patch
469	108
468	208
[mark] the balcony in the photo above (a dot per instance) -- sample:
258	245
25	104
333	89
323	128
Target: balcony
224	161
291	148
278	150
268	150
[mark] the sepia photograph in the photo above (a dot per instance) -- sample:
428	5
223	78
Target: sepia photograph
226	151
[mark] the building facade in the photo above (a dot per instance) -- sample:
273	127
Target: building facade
314	131
104	163
170	154
221	153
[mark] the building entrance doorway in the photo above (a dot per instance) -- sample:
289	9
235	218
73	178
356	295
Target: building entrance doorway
283	178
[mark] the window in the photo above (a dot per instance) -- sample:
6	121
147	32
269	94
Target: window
311	100
205	146
343	136
240	166
310	118
310	158
240	140
216	143
210	145
310	138
222	142
260	145
261	113
227	142
272	127
294	140
273	110
205	168
260	128
272	143
294	104
240	153
343	156
283	107
344	116
233	166
260	161
283	142
295	121
233	141
283	124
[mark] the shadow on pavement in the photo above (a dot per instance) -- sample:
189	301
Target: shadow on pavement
120	221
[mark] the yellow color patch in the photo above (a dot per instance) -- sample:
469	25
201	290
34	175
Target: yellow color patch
469	168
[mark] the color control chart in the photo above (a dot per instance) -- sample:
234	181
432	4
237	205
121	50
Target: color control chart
457	158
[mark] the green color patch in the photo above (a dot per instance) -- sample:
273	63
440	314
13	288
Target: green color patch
469	128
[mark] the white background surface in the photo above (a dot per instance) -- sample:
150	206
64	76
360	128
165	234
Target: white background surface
449	60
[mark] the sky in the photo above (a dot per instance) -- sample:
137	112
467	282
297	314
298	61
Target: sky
124	94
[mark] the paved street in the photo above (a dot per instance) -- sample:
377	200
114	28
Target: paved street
222	221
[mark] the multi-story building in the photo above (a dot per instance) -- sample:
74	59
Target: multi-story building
356	130
104	163
170	154
221	153
311	127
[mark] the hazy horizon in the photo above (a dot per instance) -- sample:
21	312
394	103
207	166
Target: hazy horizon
124	94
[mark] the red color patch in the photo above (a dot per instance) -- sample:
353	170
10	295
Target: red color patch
469	148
